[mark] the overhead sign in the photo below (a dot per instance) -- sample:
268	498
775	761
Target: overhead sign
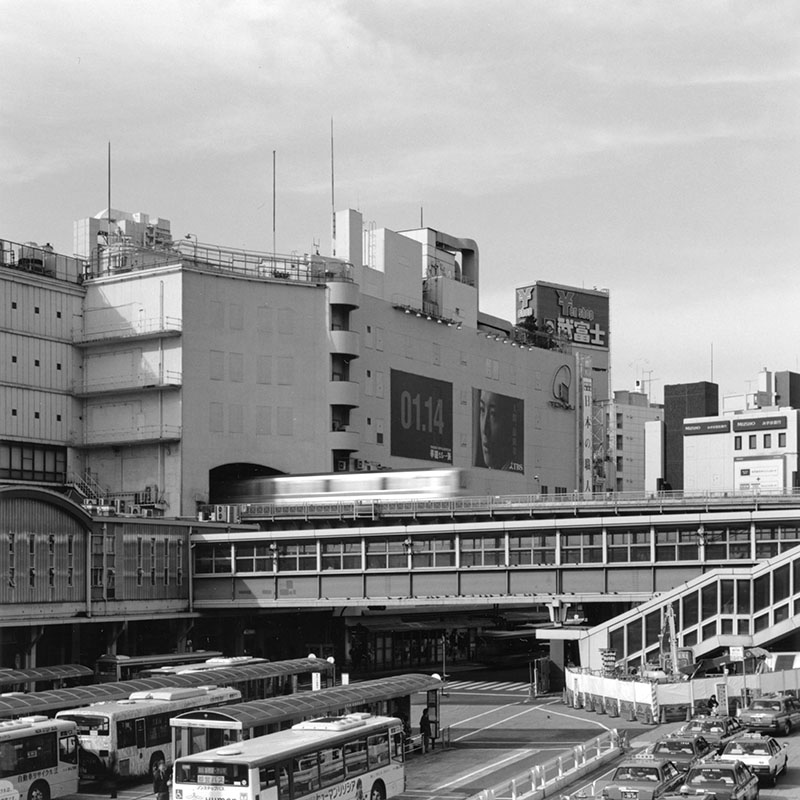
759	423
714	426
579	316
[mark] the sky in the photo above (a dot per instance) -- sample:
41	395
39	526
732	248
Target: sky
646	147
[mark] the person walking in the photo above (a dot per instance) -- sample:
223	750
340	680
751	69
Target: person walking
161	781
425	731
713	704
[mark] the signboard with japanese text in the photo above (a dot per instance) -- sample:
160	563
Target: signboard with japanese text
759	474
498	423
421	417
586	470
759	423
713	426
579	316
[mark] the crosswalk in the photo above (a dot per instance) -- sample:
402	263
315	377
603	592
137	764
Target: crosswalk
487	687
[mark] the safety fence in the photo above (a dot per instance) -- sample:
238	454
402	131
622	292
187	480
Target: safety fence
543	780
654	702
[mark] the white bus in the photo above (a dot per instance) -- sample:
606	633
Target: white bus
355	757
113	667
39	757
129	737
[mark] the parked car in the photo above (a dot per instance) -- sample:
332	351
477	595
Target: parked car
724	780
716	730
776	712
683	750
642	778
762	754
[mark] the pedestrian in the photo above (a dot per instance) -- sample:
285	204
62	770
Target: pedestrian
161	781
425	730
713	704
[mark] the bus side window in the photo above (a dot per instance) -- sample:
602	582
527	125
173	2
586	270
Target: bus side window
398	749
378	750
355	757
267	777
68	750
284	790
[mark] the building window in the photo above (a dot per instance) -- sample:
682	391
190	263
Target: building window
767	440
619	442
483	551
213	559
752	441
429	551
737	442
677	545
341	555
27	462
581	548
532	549
629	546
297	557
781	440
253	558
386	554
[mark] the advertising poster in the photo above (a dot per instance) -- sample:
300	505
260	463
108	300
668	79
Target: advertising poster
758	474
421	417
498	423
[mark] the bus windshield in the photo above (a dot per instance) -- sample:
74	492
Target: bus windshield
89	725
217	774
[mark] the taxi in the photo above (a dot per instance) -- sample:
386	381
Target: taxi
683	751
643	778
762	754
723	780
775	712
716	730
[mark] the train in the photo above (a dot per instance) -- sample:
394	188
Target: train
384	485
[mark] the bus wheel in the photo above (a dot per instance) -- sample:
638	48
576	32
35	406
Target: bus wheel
39	791
378	791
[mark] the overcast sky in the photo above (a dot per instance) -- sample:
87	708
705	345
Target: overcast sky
650	148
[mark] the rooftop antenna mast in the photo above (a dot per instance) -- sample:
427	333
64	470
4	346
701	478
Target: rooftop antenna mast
333	199
108	210
274	250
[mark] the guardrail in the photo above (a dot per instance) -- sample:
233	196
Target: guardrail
543	780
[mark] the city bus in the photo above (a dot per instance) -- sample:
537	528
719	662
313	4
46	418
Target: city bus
39	757
118	667
354	757
126	738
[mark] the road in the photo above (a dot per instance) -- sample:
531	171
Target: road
497	731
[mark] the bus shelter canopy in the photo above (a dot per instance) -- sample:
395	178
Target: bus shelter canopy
19	705
257	713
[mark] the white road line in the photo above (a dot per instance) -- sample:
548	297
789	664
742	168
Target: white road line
516	756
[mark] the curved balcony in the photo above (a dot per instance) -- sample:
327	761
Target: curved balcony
346	343
344	393
343	441
344	293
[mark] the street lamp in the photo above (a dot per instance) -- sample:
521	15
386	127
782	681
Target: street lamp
192	236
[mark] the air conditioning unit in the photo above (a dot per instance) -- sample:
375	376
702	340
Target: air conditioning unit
359	464
134	509
119	506
147	512
341	465
91	501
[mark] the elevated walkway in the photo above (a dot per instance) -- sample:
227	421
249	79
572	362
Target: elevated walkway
726	607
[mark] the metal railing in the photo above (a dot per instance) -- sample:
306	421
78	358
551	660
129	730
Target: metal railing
41	260
542	780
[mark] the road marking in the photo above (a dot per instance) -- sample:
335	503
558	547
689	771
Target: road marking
492	765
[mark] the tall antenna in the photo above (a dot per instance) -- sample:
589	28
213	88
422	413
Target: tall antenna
421	222
333	199
108	210
712	362
273	204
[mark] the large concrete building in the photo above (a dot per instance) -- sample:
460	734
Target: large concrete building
152	372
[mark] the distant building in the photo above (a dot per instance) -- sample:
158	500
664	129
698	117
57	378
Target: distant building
751	447
620	462
683	401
